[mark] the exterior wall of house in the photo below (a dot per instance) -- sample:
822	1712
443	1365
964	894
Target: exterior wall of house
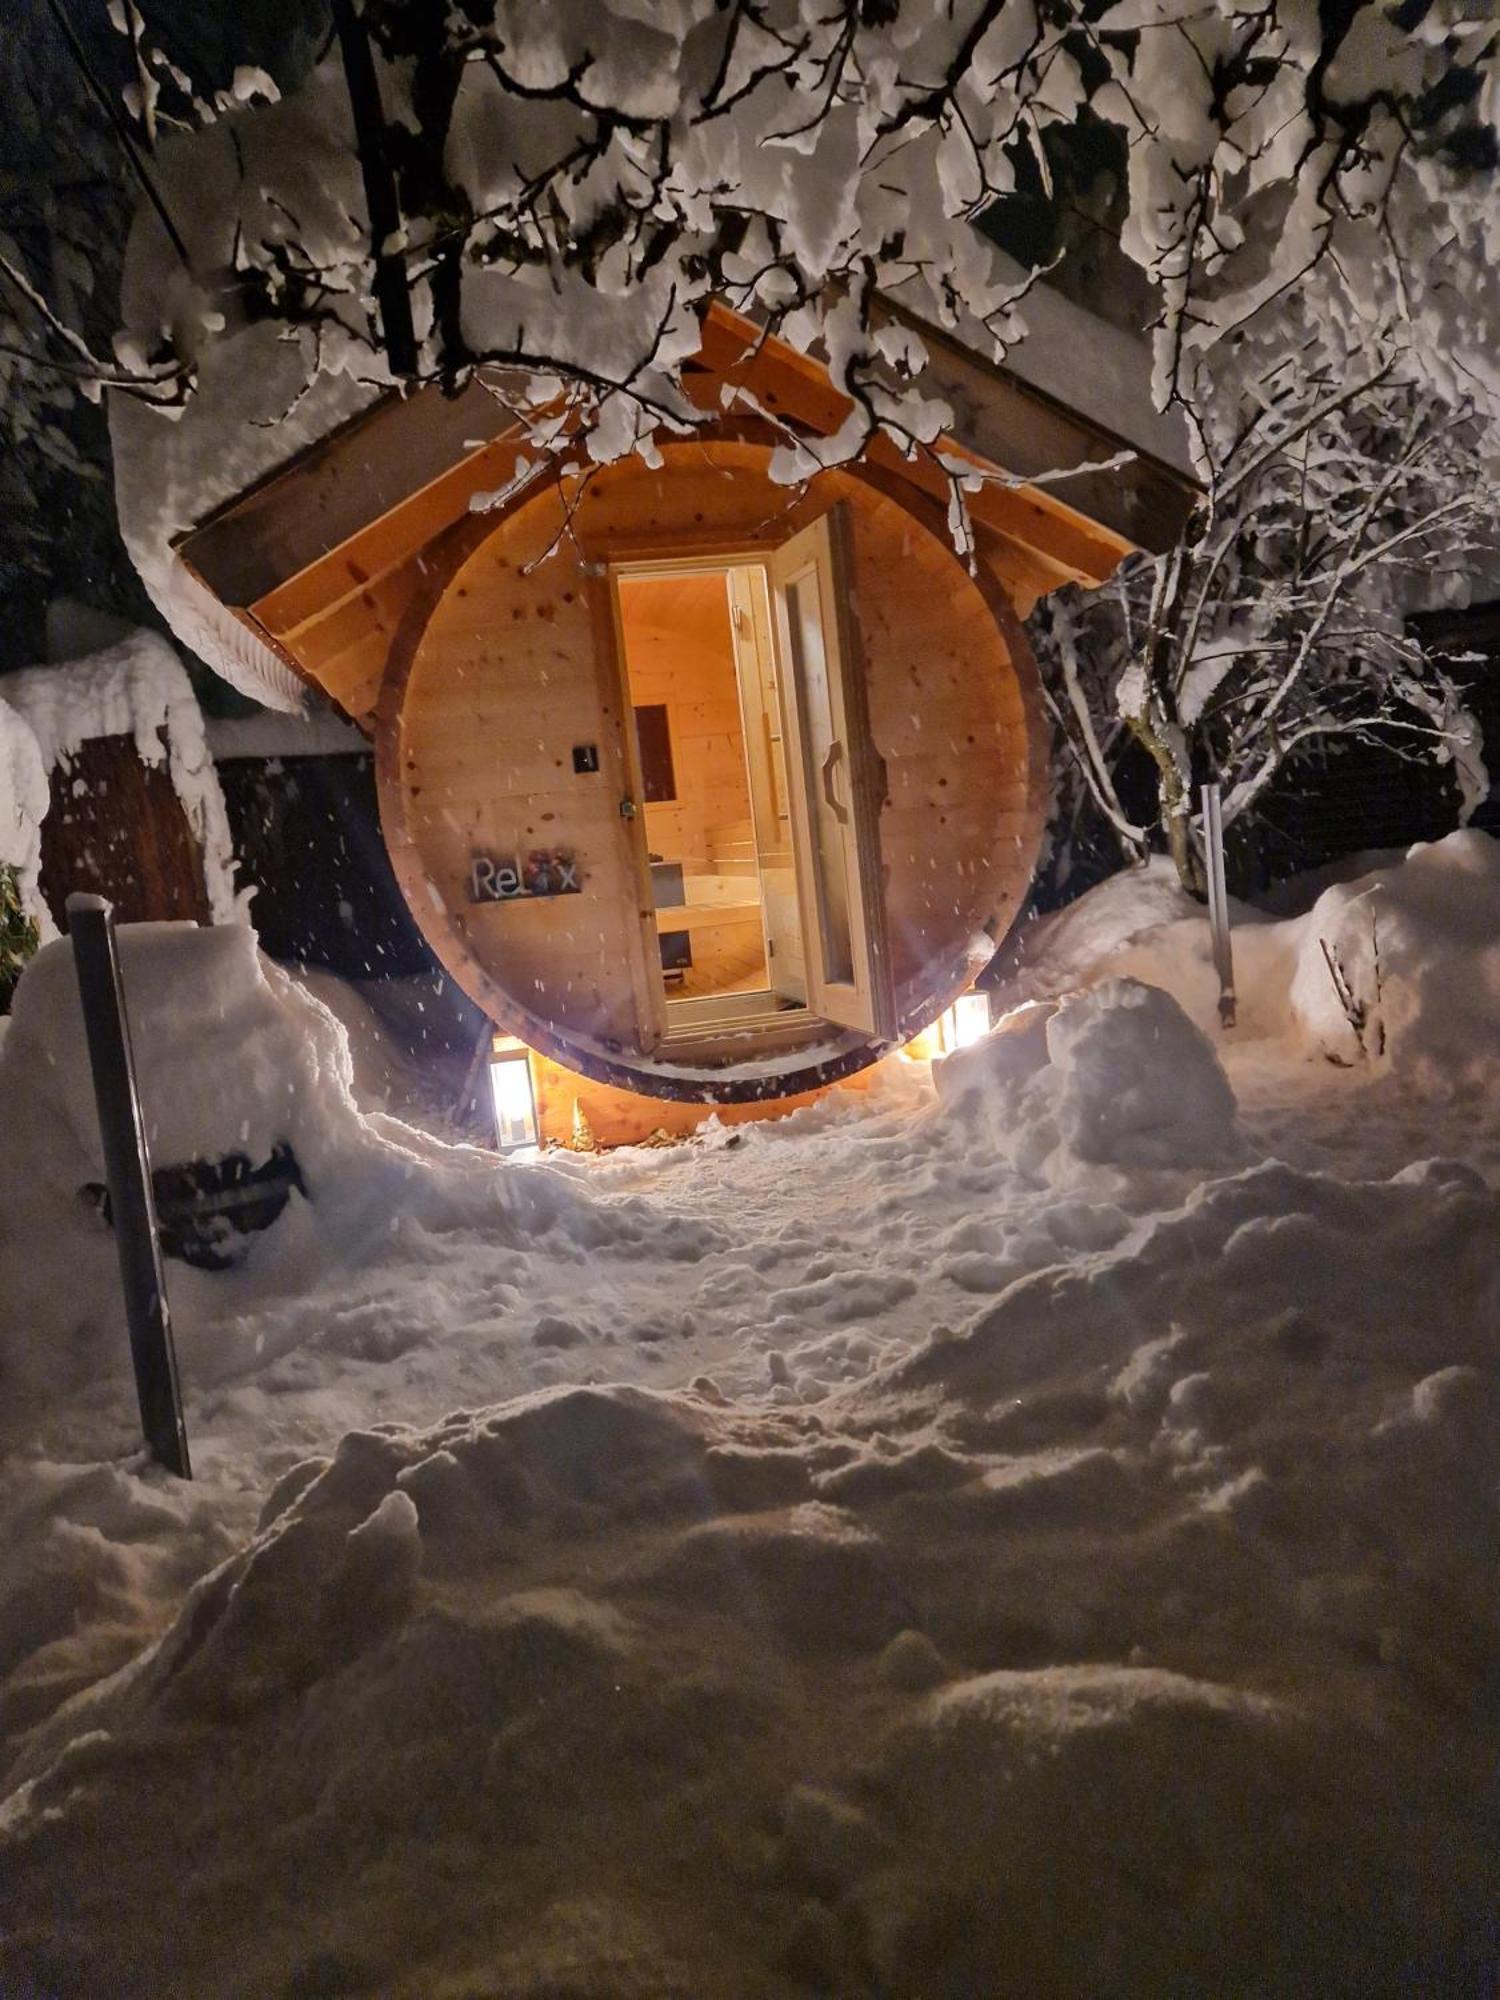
505	666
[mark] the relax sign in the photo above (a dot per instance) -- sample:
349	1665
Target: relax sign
547	872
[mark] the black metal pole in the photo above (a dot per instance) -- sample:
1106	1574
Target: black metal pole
127	1170
380	189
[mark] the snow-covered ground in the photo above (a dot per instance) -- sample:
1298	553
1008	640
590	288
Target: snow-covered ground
1037	1536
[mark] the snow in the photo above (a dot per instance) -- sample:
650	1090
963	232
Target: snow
137	688
258	397
1414	936
24	798
1115	1074
1035	1535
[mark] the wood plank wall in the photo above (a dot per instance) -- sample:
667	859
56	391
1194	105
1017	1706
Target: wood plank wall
116	828
505	679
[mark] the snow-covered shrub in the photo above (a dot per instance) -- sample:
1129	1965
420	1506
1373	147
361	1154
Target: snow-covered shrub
1401	968
24	798
231	1054
19	935
1408	948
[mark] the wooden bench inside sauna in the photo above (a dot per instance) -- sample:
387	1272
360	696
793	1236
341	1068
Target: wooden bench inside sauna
704	786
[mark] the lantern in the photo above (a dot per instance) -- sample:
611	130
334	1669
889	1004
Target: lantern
966	1021
513	1094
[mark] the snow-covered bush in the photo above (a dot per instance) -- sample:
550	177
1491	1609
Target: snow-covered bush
1394	969
1338	499
24	798
1401	967
19	935
234	1057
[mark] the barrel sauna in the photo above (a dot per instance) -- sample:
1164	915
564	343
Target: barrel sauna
706	787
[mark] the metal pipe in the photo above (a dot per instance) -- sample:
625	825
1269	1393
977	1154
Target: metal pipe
127	1170
1218	902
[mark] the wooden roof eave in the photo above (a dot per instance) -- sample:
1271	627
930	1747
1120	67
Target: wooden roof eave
1006	421
403	448
303	558
1005	427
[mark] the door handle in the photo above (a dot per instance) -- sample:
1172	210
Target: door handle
830	765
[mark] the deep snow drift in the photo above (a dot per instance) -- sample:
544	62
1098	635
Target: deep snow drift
1026	1540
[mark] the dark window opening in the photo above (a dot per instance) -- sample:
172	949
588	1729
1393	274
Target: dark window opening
654	735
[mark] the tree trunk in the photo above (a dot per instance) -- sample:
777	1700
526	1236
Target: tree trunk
1179	843
1174	802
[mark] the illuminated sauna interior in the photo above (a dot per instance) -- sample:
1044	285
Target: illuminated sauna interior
714	796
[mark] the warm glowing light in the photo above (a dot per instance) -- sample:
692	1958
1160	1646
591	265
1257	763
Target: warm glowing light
514	1097
967	1020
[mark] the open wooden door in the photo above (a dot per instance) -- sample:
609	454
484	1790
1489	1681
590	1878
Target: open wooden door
835	780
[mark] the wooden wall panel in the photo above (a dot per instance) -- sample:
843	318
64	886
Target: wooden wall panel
116	828
505	679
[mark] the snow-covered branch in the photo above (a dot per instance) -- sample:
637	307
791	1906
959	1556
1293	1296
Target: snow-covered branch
572	185
1278	625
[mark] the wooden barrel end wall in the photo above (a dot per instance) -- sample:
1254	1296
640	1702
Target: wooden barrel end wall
501	739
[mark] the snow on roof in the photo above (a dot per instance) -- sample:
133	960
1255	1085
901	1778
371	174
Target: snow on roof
173	469
263	394
23	805
139	689
260	395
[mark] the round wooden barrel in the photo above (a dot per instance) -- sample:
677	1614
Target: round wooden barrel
509	773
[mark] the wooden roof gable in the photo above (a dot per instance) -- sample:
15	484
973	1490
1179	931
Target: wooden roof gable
321	558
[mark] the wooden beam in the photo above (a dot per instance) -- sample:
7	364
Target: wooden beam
1004	421
349	522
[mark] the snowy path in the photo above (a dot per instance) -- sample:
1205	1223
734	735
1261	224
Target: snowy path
799	1257
1038	1542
